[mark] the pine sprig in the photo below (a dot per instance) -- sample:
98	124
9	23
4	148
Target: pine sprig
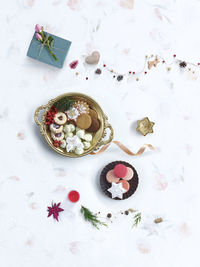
64	104
91	217
137	219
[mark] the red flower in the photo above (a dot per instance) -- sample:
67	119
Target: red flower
54	210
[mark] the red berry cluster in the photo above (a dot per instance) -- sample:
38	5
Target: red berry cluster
57	143
50	115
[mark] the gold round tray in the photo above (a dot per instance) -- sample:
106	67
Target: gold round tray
98	137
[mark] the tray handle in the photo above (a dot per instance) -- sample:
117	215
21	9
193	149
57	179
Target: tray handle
36	118
103	142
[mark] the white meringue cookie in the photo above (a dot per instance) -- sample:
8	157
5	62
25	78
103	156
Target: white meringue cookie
87	137
80	134
67	128
72	127
79	150
69	135
86	145
63	144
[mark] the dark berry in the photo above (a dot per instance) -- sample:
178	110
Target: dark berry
126	212
120	77
104	65
183	64
174	55
109	215
98	71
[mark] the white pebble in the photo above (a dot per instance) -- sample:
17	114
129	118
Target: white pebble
67	128
87	137
63	144
80	134
79	150
86	145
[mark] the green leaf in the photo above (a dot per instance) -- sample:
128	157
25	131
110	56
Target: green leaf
64	104
91	217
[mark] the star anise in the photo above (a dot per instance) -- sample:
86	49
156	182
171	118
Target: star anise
54	210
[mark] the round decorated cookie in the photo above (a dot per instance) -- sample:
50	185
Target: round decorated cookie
115	187
83	121
56	128
60	118
57	136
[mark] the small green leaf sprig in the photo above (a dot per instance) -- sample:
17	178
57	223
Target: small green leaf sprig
91	217
137	218
47	42
64	104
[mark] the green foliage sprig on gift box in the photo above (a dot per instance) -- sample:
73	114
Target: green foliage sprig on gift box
45	40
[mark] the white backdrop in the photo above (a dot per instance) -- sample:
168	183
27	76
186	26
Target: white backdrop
32	175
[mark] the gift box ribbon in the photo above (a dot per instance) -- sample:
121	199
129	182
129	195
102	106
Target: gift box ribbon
45	43
124	148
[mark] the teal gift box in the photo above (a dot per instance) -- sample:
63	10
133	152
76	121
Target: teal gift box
60	48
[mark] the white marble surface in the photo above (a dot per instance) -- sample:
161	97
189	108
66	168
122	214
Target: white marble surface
31	175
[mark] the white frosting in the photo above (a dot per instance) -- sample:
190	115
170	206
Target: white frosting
72	113
79	150
87	137
86	145
73	143
117	190
63	144
80	134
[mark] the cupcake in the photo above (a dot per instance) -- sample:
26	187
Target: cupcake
119	180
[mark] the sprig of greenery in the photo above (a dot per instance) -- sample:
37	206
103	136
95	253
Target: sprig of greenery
64	103
91	217
137	219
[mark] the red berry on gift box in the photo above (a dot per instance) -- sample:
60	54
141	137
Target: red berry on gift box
73	196
120	170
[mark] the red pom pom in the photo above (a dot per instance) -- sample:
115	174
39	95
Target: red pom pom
120	170
73	196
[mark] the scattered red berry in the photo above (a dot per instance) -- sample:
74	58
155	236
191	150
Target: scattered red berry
145	72
133	72
57	143
174	55
163	61
129	72
104	65
86	78
73	196
50	115
198	64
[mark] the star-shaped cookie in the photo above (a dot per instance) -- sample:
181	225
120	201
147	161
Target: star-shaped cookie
117	190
